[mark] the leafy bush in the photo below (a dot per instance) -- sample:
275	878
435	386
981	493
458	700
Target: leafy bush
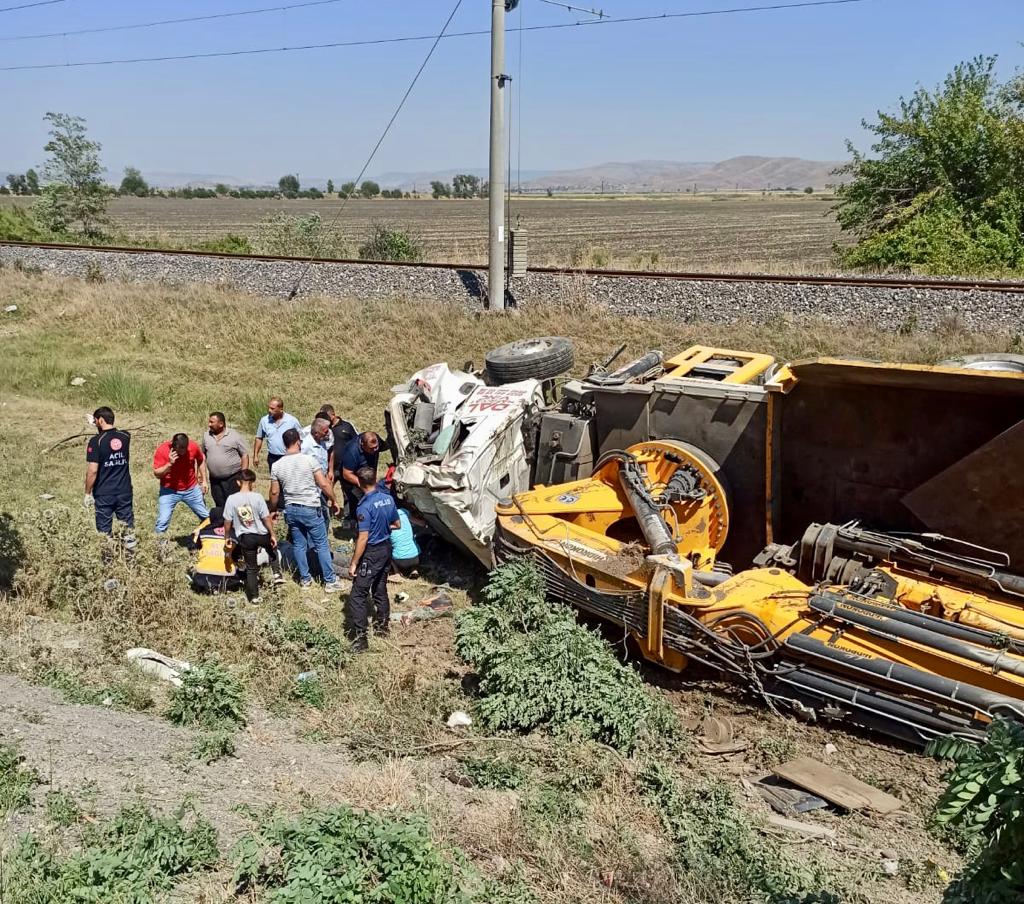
209	697
385	243
493	773
19	225
62	809
314	644
127	860
944	189
226	244
297	237
211	746
538	668
344	855
77	688
715	844
16	780
983	807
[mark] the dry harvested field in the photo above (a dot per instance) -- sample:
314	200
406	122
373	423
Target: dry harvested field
708	232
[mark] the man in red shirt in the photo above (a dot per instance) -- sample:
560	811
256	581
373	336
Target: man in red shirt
180	467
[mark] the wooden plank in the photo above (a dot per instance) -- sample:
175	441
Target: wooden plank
836	787
807	829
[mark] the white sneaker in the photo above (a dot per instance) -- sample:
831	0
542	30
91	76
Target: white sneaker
333	587
306	585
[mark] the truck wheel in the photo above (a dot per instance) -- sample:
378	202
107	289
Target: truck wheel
530	359
991	361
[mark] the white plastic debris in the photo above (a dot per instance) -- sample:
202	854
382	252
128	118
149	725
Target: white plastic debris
78	381
47	496
459	719
831	749
890	867
156	665
10	309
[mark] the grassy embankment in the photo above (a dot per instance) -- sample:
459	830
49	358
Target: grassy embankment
163	357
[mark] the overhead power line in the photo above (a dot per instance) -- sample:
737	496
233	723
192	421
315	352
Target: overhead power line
401	104
577	9
414	38
8	9
162	22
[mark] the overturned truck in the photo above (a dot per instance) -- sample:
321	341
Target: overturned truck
845	538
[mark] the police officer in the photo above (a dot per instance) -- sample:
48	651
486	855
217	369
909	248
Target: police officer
376	516
108	480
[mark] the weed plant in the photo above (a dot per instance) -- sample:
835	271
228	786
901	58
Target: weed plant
16	780
209	697
128	860
538	668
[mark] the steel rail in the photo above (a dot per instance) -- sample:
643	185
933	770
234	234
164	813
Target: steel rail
856	282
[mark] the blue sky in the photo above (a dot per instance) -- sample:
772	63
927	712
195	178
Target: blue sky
788	82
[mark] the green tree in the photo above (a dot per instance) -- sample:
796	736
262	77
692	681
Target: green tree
330	186
75	196
465	186
289	186
17	184
369	189
809	190
347	189
133	183
943	188
440	189
32	181
222	189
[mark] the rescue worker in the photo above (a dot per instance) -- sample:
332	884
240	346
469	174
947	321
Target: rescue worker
376	516
362	451
214	570
108	480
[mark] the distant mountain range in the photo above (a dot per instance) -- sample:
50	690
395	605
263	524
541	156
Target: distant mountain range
742	173
747	173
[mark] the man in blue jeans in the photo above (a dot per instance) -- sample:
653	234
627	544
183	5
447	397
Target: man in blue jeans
180	467
299	480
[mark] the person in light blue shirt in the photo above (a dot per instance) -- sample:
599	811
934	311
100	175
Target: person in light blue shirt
317	445
405	552
272	427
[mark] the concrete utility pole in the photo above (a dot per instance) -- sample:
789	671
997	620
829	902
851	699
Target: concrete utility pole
496	188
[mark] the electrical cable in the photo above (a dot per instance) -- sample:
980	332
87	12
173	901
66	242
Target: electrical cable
414	38
8	9
161	22
577	9
373	153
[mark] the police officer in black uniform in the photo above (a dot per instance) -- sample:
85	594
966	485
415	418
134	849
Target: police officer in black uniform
108	479
376	516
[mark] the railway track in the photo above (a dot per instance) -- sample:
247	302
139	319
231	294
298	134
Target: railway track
868	282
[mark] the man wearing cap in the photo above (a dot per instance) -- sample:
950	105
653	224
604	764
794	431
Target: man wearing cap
272	428
226	456
376	516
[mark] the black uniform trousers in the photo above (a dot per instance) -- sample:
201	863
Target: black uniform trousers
222	487
250	545
369	597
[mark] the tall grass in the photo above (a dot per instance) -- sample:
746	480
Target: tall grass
124	390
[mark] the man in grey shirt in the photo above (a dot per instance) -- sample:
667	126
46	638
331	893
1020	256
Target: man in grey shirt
248	523
298	480
226	455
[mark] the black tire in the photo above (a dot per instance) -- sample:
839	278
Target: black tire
998	361
542	358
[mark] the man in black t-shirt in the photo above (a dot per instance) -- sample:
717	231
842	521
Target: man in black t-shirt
341	432
108	480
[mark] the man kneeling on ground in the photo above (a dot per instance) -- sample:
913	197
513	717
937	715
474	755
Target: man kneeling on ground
247	521
376	516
